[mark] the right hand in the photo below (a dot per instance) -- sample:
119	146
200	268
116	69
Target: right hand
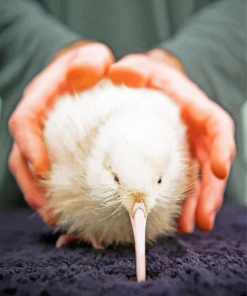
210	129
74	68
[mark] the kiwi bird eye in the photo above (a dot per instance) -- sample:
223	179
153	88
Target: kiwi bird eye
116	179
159	181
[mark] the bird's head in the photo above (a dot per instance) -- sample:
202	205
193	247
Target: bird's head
132	166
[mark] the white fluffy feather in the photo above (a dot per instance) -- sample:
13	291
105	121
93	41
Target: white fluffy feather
109	130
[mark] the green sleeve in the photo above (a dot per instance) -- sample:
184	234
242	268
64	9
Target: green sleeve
212	48
28	39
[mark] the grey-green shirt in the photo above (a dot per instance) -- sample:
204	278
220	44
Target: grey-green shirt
208	36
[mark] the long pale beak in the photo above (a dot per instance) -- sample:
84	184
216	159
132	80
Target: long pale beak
138	220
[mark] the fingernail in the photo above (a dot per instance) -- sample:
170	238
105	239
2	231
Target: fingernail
211	220
59	242
227	170
190	229
187	229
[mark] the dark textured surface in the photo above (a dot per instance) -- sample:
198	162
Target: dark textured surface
199	264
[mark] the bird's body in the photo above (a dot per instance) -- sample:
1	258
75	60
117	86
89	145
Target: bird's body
110	147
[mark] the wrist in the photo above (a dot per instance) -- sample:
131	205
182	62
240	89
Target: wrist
78	44
166	57
70	47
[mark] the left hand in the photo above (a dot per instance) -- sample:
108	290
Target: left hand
210	129
76	67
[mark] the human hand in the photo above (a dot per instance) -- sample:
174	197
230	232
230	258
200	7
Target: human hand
74	68
210	129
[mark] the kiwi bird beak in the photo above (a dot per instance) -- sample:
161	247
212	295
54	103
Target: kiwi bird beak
138	220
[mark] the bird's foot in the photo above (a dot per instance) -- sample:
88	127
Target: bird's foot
96	242
67	239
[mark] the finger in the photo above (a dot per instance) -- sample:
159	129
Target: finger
26	123
187	219
210	198
88	66
55	76
33	193
202	112
133	70
30	142
220	130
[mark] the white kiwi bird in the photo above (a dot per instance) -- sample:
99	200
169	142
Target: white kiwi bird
120	166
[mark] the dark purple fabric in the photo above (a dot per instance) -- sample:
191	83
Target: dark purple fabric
198	264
